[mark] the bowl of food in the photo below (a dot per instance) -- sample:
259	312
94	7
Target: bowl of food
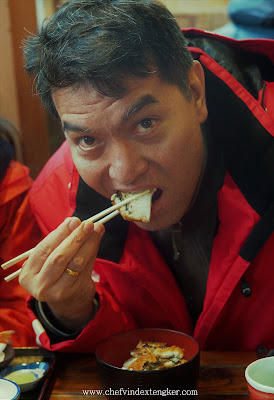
148	362
26	376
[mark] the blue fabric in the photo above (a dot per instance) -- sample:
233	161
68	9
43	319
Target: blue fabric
244	32
250	19
252	12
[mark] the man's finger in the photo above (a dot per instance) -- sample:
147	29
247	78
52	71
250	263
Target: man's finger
83	262
73	247
51	242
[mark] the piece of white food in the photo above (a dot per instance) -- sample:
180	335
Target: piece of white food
136	210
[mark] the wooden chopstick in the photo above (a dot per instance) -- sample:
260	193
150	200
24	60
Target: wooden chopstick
108	217
13	275
109	210
107	214
117	206
15	260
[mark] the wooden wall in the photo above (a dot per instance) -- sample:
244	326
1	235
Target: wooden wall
17	102
202	14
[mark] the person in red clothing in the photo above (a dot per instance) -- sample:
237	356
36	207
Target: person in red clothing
14	212
144	106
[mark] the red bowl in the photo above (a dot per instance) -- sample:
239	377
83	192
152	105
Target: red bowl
172	382
257	395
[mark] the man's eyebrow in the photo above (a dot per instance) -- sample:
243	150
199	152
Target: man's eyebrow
141	103
67	126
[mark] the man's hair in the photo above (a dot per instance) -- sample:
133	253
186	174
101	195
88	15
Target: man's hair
101	42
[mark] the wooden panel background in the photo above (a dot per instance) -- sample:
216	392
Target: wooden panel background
202	14
17	103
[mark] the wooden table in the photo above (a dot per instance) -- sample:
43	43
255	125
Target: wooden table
221	376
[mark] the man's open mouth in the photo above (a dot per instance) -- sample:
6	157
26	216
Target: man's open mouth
156	195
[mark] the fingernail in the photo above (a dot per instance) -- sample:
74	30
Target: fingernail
88	226
74	223
99	228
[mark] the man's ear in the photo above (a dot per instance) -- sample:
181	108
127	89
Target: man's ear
196	81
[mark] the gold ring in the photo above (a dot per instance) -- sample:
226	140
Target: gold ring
71	272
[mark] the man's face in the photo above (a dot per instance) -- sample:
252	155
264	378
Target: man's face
150	138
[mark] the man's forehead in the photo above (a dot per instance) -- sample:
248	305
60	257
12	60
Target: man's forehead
140	93
74	91
128	83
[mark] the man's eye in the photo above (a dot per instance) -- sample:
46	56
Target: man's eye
145	125
86	142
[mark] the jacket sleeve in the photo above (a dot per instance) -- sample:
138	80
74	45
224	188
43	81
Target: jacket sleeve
109	319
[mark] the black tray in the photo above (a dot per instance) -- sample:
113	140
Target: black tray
34	354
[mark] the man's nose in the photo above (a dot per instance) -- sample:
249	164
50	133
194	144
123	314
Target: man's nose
127	164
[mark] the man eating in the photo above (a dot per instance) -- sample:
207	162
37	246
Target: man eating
139	110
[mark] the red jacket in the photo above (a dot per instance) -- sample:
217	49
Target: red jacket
135	286
14	213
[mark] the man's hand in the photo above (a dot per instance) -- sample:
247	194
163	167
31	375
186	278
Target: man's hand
73	245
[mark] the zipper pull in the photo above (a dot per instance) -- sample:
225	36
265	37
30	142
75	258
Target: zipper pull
246	289
177	241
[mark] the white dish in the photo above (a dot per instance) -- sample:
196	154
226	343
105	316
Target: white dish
9	390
